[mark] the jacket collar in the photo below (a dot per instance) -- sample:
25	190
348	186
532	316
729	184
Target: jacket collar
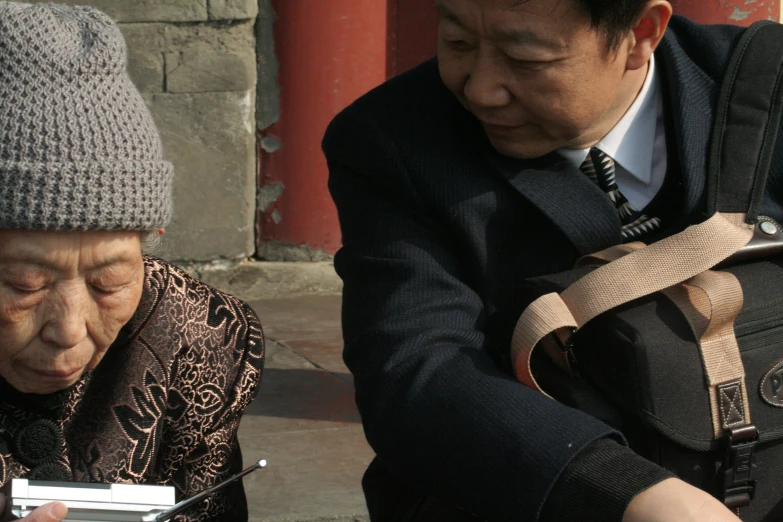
579	209
693	95
573	203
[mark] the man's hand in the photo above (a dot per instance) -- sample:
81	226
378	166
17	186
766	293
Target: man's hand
53	512
676	501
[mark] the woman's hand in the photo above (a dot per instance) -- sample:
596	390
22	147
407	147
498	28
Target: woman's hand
53	512
676	501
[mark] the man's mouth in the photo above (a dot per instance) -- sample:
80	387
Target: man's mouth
500	129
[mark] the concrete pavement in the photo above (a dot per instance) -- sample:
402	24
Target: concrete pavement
304	420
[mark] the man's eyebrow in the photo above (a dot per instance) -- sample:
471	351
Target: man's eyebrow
447	14
518	36
521	36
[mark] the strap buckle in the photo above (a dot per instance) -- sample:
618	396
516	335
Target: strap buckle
739	466
567	347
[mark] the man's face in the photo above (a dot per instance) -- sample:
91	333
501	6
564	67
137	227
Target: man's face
536	74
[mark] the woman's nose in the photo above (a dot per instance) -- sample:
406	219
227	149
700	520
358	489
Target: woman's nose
66	324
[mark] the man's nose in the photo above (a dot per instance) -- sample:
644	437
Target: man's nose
485	86
67	314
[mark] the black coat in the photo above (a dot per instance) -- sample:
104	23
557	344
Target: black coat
439	234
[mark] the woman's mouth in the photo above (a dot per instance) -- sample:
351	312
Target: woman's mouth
56	374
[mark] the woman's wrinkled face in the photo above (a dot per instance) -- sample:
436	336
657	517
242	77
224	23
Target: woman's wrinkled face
64	296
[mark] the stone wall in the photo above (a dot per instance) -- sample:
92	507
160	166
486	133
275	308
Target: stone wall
195	63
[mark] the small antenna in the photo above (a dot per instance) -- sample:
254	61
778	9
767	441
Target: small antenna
179	507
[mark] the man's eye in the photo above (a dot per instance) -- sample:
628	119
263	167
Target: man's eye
532	65
459	45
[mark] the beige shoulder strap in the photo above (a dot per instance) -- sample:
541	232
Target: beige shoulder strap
641	272
711	302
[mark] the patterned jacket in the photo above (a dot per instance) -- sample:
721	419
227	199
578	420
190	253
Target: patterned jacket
162	407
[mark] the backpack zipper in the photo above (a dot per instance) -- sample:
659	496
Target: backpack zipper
760	338
759	319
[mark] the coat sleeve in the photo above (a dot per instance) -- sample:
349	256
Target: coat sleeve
210	423
436	410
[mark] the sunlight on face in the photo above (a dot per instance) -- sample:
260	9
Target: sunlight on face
64	296
535	73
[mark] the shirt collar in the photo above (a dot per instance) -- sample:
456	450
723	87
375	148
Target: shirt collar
630	143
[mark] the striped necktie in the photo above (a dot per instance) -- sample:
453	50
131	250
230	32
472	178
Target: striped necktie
600	168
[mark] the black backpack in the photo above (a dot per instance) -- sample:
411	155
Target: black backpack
691	372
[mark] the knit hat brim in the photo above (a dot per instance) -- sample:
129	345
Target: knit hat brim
127	195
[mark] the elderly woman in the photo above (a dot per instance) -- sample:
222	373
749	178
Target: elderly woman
115	366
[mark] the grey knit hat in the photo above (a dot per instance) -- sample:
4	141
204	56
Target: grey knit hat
78	148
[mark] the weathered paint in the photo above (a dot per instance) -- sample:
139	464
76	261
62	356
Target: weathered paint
738	12
267	89
329	53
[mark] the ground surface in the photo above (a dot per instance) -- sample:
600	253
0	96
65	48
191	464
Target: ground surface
304	420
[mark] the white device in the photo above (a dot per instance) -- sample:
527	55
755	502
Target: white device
92	502
88	502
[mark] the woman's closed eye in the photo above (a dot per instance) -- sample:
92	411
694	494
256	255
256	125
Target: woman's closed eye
109	287
106	290
28	286
28	289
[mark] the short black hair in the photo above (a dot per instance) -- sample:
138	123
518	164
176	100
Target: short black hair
616	17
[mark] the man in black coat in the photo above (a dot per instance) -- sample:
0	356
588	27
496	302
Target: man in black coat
544	131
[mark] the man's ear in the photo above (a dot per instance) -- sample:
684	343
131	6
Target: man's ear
647	32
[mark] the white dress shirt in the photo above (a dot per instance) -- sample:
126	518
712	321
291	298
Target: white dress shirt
637	144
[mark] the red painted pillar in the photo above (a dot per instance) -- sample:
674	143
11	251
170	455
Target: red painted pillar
728	11
414	33
330	52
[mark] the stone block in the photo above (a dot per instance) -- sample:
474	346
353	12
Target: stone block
145	59
146	71
145	10
210	138
191	58
198	71
218	37
281	252
205	58
233	9
254	280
